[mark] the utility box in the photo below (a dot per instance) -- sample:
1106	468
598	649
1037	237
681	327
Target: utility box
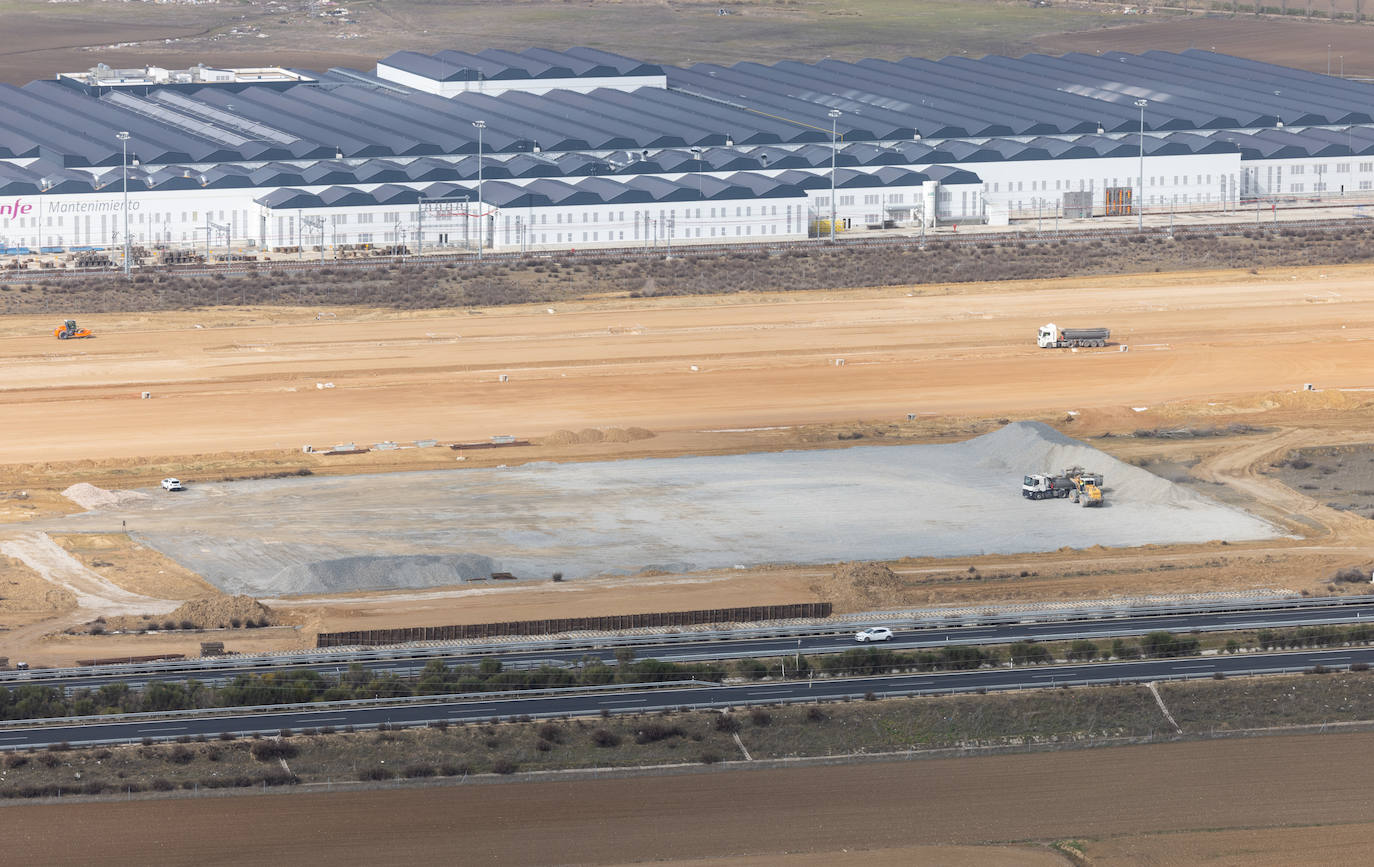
1078	206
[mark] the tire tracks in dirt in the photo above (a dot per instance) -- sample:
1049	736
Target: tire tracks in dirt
1239	469
95	595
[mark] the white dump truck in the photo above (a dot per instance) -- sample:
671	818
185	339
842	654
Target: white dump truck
1039	486
1051	336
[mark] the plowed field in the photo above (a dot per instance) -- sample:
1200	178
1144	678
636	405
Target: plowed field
1114	798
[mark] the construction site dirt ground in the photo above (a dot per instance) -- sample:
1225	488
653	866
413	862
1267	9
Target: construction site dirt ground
235	393
1264	801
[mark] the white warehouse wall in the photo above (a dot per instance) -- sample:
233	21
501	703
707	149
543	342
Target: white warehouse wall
782	218
1019	185
179	217
1323	176
97	219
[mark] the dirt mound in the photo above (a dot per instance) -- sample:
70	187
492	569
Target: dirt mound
208	612
590	435
627	435
560	438
860	586
88	496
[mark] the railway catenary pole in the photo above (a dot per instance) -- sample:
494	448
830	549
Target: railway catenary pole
481	217
1140	178
316	223
211	226
124	173
834	114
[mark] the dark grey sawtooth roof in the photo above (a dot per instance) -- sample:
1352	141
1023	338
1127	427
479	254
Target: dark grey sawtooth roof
549	192
1034	95
745	117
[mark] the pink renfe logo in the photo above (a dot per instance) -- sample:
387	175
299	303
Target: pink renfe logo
16	208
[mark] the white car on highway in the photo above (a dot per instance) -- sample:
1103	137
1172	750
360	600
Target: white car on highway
873	633
172	485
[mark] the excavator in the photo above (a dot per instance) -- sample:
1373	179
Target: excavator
68	331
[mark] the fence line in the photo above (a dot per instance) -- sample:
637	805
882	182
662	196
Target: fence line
688	249
574	624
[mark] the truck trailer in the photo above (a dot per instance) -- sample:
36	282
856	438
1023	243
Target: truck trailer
1051	336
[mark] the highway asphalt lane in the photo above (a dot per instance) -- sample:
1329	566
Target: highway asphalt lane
411	713
404	664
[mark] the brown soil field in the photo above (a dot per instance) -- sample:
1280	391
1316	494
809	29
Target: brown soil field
1300	44
129	565
234	395
953	856
43	39
1122	800
1315	846
762	362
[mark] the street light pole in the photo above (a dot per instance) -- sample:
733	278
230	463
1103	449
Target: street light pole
834	147
1140	179
124	172
481	218
696	155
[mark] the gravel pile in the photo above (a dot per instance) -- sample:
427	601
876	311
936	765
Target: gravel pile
379	573
1033	447
88	496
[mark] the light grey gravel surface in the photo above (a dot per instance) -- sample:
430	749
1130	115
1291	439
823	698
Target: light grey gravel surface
335	534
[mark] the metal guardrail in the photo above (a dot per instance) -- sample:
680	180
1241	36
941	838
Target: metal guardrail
894	619
405	701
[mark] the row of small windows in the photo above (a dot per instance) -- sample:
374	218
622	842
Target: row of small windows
1322	188
870	199
593	237
136	218
1043	186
